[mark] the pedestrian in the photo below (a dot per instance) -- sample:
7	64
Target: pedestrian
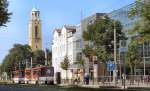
78	80
87	78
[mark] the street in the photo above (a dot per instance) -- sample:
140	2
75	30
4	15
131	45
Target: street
22	87
13	87
9	88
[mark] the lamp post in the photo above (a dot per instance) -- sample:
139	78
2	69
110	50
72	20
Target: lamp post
144	57
46	61
31	65
115	54
123	51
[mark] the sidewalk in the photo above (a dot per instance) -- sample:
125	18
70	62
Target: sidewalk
112	85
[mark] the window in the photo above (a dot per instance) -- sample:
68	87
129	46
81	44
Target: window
36	32
36	46
79	55
78	44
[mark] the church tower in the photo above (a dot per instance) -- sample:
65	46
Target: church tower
35	33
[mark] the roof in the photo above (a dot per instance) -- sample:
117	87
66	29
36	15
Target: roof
57	30
71	28
34	9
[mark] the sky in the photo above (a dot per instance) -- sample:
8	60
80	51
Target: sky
54	14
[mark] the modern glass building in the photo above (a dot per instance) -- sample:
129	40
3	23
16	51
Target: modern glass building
122	15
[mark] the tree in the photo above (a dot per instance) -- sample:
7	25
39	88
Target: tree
141	9
142	27
4	14
65	64
89	52
21	54
80	62
17	57
133	56
49	57
38	57
7	65
101	36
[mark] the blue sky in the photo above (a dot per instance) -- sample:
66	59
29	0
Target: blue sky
54	14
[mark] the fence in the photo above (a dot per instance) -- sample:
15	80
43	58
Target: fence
130	80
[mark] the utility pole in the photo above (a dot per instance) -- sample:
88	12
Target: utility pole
46	54
25	63
31	70
19	65
115	55
31	62
144	57
120	63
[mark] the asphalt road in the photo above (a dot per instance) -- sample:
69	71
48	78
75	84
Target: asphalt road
9	88
55	88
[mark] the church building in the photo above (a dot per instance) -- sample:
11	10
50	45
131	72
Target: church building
35	32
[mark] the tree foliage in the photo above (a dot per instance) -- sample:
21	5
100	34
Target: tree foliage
80	61
20	57
65	64
4	14
141	9
49	57
133	56
101	35
89	51
142	27
38	57
17	56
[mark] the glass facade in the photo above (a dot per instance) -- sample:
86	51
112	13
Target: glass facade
122	15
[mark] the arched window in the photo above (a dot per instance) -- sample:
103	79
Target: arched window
35	14
36	32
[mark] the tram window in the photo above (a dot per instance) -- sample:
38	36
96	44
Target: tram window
43	72
27	73
35	72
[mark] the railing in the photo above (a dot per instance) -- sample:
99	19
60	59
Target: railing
130	80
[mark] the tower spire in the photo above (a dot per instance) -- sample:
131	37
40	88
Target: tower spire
35	34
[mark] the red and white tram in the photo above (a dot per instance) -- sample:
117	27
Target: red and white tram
18	76
36	75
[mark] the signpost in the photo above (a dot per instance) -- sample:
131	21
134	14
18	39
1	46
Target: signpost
123	50
110	68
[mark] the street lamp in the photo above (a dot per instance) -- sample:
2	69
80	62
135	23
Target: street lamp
144	58
115	54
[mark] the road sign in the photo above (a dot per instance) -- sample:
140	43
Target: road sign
123	43
110	65
122	49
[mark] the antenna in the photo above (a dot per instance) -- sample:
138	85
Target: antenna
81	15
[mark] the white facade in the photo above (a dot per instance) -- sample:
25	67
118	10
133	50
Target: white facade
66	41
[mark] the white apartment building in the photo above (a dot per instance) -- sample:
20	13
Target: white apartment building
67	41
